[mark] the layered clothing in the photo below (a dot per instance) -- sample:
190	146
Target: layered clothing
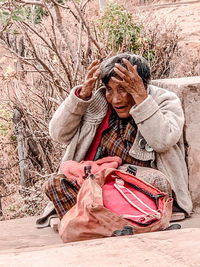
159	119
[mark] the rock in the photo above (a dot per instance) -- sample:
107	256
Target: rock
188	89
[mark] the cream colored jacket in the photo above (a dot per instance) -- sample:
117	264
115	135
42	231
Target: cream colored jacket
160	121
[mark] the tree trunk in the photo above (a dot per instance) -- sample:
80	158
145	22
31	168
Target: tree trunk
22	147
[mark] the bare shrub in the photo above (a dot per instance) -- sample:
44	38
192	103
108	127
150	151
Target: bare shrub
183	64
160	44
24	201
48	59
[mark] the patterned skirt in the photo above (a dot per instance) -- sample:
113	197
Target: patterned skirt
62	193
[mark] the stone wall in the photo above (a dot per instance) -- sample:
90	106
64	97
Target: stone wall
188	90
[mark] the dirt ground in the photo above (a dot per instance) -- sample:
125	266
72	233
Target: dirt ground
185	13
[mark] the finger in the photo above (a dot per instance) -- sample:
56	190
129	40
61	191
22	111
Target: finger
129	65
91	80
121	68
135	72
115	80
120	73
121	83
97	73
135	68
95	62
92	71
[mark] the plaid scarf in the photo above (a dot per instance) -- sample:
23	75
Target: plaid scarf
118	139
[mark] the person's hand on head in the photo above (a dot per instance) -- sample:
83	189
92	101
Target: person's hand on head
90	80
130	81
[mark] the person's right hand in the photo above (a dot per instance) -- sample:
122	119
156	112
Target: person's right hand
90	80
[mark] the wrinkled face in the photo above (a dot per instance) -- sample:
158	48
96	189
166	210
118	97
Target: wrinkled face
120	100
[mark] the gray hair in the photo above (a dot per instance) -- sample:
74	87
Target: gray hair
142	67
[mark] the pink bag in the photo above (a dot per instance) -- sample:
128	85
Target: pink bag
113	200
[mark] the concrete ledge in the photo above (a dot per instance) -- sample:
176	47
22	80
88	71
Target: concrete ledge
168	248
188	90
177	82
22	233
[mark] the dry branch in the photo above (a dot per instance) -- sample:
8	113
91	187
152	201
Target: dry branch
34	3
38	34
87	28
4	119
64	33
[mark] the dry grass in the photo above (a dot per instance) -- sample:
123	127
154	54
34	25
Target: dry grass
170	58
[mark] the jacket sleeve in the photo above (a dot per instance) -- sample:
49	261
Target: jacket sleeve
67	118
160	119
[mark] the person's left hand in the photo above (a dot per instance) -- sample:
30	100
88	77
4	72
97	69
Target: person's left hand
130	81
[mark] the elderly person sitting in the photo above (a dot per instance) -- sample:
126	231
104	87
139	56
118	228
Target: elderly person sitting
126	117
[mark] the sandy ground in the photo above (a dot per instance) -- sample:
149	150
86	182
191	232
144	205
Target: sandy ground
185	13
